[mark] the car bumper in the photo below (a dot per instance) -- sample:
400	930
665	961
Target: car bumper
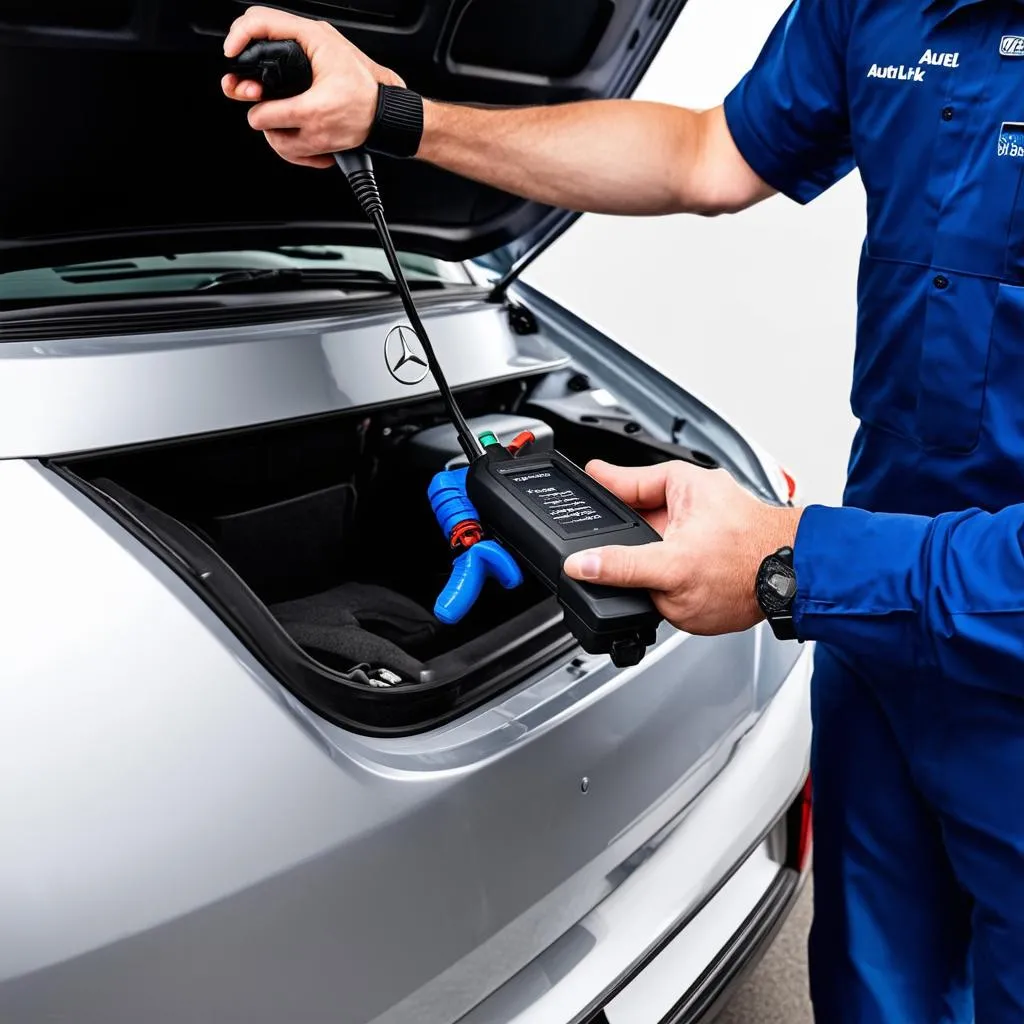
704	1000
664	912
709	994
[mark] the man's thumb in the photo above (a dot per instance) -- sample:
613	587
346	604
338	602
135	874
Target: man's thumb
645	565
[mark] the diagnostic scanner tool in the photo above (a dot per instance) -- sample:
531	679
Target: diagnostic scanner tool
544	508
541	506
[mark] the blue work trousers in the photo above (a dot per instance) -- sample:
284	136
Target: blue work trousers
918	790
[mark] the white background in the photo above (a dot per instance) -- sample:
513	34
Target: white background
753	313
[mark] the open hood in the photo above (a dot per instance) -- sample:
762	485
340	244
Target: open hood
116	139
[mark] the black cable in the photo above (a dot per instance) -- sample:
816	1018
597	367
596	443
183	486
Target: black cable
359	171
467	439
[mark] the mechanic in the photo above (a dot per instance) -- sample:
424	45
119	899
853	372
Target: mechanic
915	588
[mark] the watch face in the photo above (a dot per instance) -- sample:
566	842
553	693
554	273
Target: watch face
776	586
783	584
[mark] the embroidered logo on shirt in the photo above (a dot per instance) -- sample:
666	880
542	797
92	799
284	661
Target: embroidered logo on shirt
909	73
900	72
1011	46
1011	139
940	60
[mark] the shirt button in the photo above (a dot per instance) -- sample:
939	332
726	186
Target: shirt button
947	113
941	281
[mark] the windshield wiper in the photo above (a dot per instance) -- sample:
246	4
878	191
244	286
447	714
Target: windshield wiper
259	279
293	279
272	279
254	281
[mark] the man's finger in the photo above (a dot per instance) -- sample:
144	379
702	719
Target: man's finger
235	89
283	144
639	487
264	23
645	565
319	162
273	115
295	145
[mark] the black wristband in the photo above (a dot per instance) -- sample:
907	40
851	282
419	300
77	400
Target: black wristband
397	128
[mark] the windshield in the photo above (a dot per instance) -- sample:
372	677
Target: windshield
181	273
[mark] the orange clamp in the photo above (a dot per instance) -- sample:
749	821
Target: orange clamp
466	534
521	440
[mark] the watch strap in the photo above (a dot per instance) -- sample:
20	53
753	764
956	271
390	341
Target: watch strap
783	626
397	127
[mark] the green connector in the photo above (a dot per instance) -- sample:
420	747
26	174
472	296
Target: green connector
487	439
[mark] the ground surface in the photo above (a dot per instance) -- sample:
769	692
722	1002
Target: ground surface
776	993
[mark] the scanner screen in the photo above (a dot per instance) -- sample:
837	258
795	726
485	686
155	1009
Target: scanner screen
562	501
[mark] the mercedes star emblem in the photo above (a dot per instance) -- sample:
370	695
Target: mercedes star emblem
404	356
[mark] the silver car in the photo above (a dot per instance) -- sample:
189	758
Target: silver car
245	773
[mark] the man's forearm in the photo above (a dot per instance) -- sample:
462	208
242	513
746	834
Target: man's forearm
604	156
607	156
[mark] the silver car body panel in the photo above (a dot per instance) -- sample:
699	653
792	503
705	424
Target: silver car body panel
671	877
82	394
184	841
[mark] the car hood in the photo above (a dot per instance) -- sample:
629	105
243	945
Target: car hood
118	141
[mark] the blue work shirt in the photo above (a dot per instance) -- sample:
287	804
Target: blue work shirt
926	99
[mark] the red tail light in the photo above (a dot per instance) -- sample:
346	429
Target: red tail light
790	483
805	839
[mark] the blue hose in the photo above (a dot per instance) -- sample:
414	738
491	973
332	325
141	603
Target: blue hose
470	569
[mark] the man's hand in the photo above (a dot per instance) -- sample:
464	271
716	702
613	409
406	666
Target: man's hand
701	576
335	114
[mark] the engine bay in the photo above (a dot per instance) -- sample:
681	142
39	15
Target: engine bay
314	540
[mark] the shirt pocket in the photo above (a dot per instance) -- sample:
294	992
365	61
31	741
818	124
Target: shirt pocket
954	361
1004	408
971	254
923	343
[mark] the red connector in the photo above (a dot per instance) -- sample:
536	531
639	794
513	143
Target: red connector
521	440
466	534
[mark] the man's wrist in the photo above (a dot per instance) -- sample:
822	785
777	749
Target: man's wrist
781	528
776	529
435	120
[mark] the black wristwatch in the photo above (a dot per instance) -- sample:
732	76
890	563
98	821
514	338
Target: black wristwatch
397	127
776	590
